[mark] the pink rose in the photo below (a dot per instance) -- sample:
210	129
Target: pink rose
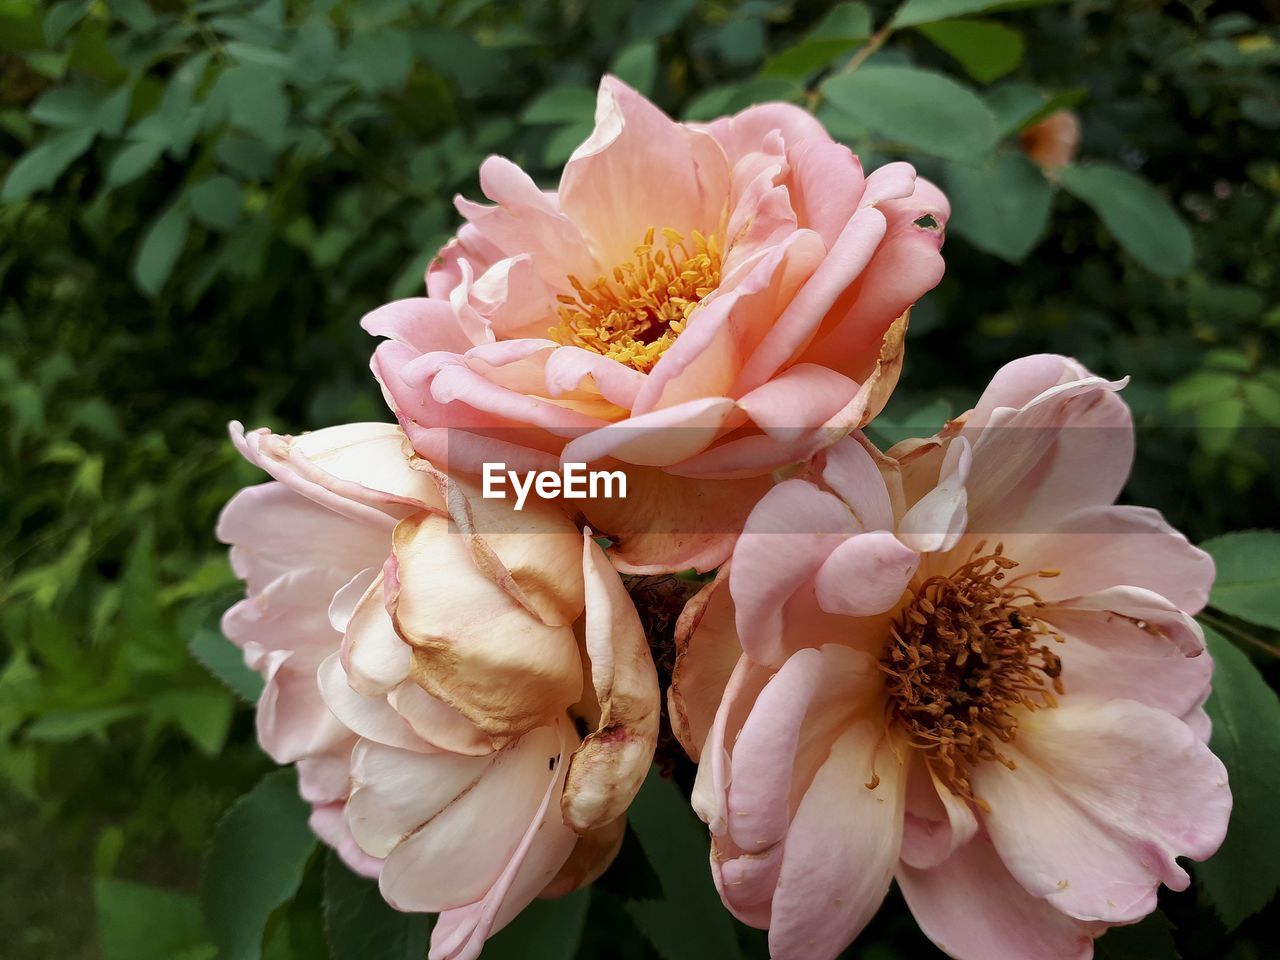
424	650
701	303
961	666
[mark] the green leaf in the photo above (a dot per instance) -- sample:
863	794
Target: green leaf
361	925
1136	214
62	17
255	863
1019	105
263	56
1218	422
846	26
732	97
563	104
637	65
61	726
203	715
563	142
1001	207
64	107
924	421
631	876
40	167
160	248
256	102
1248	581
1149	939
216	202
1244	874
1201	387
987	50
135	13
919	108
544	930
689	923
132	161
380	60
915	12
224	660
139	922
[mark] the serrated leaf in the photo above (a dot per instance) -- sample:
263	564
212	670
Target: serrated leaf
1136	214
1244	874
1001	207
224	660
1248	577
255	863
986	49
689	923
544	930
919	108
361	925
40	167
160	248
139	922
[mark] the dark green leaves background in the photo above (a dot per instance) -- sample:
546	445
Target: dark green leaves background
198	200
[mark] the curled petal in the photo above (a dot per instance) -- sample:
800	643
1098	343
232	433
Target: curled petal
609	766
475	647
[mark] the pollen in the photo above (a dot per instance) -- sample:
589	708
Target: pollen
967	657
637	313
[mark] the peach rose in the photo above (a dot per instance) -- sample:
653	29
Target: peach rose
431	658
962	666
700	303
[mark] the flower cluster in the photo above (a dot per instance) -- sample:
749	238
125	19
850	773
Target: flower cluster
955	663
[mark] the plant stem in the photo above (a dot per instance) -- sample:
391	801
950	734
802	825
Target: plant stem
1222	625
874	43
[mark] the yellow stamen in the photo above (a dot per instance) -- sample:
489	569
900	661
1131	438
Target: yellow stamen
635	316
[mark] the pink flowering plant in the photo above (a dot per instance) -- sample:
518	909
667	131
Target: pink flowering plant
954	664
662	481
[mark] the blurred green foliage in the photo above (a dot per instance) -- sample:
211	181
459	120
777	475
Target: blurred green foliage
199	200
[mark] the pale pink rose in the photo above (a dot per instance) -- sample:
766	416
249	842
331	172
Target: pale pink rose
961	666
430	683
701	303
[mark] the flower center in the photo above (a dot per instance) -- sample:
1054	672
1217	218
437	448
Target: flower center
637	315
967	655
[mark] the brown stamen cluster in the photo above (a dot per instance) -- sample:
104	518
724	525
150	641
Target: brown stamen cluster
637	315
967	656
